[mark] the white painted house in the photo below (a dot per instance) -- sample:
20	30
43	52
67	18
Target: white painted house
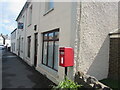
83	26
1	40
14	41
5	40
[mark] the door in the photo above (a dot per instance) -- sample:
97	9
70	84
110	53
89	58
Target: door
19	46
35	49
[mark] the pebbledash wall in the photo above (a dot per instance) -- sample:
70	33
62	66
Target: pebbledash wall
83	26
97	20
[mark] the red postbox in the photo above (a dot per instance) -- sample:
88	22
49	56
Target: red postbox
66	56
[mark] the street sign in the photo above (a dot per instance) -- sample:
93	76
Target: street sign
20	25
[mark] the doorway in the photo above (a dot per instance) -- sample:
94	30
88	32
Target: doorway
19	46
35	48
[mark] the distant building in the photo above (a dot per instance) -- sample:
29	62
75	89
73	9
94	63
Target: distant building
2	40
13	41
7	41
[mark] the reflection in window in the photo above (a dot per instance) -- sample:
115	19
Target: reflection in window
56	55
49	5
56	35
50	53
45	53
45	36
50	49
50	35
30	15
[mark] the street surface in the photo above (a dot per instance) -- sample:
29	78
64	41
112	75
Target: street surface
17	74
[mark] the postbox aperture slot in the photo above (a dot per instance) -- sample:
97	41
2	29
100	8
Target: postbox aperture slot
62	53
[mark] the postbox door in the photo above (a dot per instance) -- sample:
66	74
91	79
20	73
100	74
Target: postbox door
66	57
62	57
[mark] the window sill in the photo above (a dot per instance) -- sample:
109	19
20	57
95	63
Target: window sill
46	68
47	71
48	11
28	58
29	25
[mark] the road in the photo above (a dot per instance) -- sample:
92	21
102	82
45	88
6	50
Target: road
17	74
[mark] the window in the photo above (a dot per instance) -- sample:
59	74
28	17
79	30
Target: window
49	5
23	22
50	49
29	45
13	46
30	16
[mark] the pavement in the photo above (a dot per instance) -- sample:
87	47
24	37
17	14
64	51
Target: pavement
18	74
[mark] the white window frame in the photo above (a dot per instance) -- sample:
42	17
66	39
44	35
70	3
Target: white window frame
30	15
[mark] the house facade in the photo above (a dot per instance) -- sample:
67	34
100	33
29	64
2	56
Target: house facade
83	26
14	41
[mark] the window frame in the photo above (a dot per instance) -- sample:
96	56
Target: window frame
47	40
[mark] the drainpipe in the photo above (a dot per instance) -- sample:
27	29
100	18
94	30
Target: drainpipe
77	38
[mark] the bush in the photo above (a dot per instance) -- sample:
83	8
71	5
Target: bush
67	84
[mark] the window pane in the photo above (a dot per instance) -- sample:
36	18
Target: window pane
50	36
50	54
45	53
56	55
56	35
51	4
45	36
30	15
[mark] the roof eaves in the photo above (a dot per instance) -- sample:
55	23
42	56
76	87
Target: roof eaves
13	30
23	9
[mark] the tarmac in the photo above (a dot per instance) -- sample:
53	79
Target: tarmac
16	73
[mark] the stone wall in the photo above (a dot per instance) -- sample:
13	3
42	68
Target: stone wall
89	82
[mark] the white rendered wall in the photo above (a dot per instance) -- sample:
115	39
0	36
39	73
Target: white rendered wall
97	20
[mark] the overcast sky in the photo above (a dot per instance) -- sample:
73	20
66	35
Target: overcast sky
9	10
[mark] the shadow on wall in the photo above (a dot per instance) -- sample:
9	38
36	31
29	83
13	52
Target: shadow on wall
99	67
